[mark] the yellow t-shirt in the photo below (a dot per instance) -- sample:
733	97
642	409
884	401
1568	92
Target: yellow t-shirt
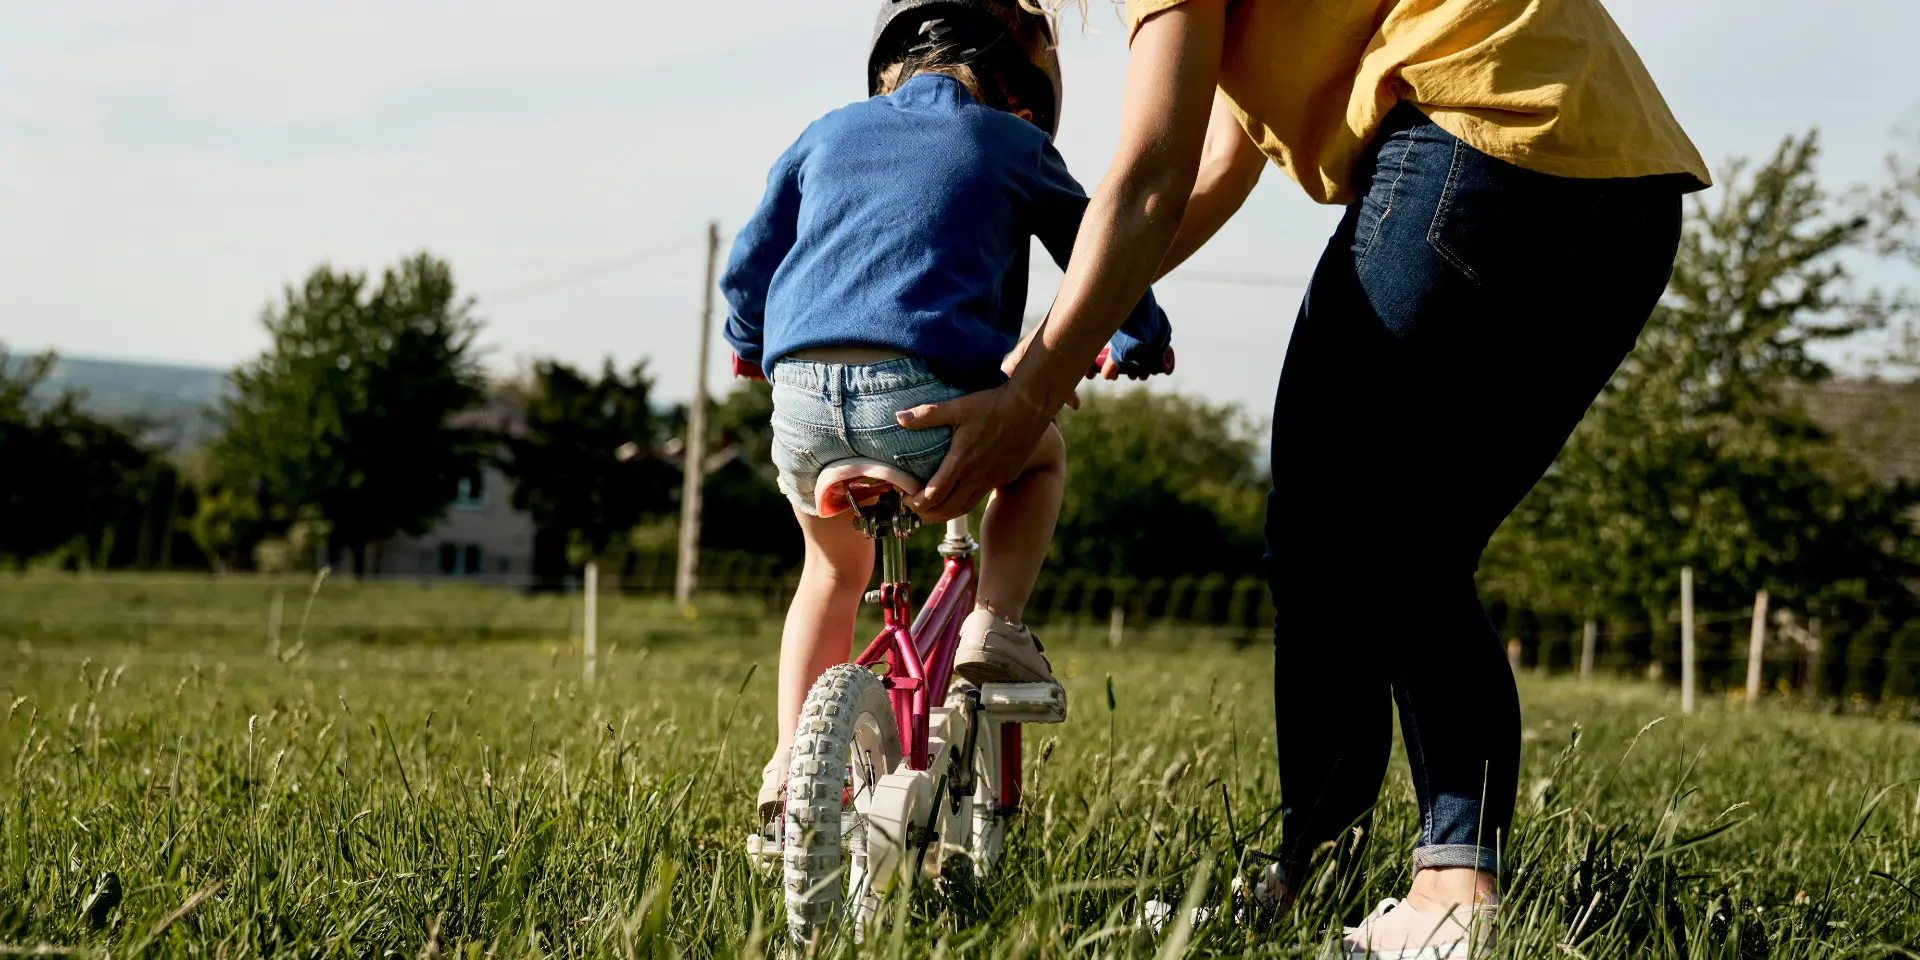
1548	85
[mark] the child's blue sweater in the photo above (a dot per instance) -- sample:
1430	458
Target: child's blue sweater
902	222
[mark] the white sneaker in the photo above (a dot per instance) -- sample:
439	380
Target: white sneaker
1396	931
1269	896
1154	915
1270	892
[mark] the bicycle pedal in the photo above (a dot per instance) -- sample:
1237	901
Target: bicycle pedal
763	854
1023	702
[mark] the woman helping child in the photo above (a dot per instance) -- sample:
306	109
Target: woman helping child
885	268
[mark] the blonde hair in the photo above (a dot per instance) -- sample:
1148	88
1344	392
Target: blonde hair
987	84
1051	9
892	77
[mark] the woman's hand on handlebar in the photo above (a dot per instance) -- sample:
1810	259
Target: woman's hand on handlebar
1106	368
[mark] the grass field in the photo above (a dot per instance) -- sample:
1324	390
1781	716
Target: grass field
394	783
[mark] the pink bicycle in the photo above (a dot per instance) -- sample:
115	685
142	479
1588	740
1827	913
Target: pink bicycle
897	764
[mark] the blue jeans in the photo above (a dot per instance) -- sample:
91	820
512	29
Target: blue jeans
824	412
1462	318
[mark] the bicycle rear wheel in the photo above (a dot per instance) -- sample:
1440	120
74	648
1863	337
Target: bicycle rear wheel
846	742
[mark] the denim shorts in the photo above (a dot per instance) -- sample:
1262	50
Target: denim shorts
824	412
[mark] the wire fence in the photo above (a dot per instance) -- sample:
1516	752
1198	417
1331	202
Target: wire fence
286	608
748	593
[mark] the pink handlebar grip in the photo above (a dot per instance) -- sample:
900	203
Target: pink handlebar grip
751	371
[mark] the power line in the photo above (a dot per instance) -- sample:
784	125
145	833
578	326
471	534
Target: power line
1220	277
1235	278
585	273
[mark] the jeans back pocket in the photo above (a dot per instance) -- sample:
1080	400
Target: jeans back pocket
1382	192
925	462
1500	224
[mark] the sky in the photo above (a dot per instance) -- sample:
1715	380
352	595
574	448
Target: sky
167	167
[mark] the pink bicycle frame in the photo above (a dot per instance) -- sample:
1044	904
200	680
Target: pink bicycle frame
919	656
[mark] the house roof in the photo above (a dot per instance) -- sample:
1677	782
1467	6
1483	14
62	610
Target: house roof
1877	420
496	415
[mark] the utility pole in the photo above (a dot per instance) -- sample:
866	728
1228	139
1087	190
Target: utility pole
693	464
1686	639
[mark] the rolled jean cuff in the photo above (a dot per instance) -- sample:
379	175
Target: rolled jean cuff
1456	855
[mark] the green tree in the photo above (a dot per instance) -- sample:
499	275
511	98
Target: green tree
743	509
74	482
1903	662
1700	452
1895	210
21	442
1159	485
223	515
350	410
587	463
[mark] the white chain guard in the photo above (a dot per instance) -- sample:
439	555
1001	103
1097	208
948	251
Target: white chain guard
900	801
903	799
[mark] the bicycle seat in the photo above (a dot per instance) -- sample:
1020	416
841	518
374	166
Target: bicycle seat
859	480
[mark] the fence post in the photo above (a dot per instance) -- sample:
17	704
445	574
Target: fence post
1589	638
1237	614
592	616
1686	639
1809	682
1116	623
273	621
1756	646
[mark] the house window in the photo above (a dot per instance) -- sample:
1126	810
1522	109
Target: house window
471	492
461	560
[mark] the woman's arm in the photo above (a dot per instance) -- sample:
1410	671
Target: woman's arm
1230	167
1172	69
1124	238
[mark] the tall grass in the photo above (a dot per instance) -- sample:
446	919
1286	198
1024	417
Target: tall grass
373	797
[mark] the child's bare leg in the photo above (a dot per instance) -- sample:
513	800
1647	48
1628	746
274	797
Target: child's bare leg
1019	527
819	630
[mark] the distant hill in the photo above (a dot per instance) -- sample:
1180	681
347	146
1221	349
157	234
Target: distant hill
169	400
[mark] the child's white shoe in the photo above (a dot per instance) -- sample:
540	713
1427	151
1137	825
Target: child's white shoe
991	650
764	845
773	788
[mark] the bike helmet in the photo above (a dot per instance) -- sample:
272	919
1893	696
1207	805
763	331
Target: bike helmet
980	28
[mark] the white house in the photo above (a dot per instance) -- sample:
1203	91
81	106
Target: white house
482	535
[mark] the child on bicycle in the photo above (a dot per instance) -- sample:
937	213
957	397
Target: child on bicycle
886	268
